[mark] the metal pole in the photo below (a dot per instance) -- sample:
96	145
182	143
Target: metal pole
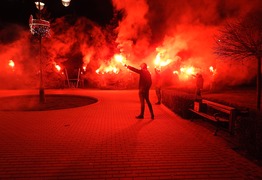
41	88
78	75
68	83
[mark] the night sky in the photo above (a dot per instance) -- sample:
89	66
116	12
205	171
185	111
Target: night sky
18	11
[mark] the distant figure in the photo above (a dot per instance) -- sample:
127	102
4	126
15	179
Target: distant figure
199	86
145	83
158	81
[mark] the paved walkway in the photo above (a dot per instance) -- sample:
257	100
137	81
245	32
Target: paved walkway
105	141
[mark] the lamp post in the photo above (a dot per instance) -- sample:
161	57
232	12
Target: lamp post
40	28
40	6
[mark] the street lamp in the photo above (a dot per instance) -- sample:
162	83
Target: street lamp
66	2
40	5
40	28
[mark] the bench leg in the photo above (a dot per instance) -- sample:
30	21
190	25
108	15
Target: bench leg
217	126
192	117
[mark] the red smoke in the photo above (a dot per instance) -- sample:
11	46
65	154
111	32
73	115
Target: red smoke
181	31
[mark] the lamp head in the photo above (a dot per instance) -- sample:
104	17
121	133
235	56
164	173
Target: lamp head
39	5
66	2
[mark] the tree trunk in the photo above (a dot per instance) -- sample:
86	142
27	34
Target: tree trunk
258	83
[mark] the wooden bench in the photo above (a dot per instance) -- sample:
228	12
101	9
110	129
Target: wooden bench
218	113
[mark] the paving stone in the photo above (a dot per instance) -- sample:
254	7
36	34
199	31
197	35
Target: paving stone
105	141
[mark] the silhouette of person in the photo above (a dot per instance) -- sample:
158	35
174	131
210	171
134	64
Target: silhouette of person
145	83
158	85
199	86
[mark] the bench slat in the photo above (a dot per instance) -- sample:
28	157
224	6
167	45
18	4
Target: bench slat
221	109
204	115
220	106
231	111
214	118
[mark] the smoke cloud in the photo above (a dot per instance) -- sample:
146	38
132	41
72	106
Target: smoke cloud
185	29
179	31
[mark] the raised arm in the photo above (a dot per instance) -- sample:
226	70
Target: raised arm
133	69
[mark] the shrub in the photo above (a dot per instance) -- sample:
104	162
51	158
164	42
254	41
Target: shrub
178	101
249	133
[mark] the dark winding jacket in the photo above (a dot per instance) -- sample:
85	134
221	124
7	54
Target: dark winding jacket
145	80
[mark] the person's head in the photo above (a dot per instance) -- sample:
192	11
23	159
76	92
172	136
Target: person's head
143	66
198	75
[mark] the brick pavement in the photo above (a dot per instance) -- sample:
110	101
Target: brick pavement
105	141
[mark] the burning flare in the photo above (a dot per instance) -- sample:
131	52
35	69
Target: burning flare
120	58
112	66
185	72
11	63
58	67
212	70
107	69
160	63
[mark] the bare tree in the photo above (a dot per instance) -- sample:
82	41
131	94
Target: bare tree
242	39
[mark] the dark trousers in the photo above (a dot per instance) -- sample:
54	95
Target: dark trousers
144	96
158	94
198	93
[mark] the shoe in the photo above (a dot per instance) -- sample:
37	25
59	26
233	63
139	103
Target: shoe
140	117
158	103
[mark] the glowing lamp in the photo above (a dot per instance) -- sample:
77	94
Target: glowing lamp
39	5
66	2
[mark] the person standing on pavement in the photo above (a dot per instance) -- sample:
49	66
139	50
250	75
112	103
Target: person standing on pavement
158	85
145	83
199	86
